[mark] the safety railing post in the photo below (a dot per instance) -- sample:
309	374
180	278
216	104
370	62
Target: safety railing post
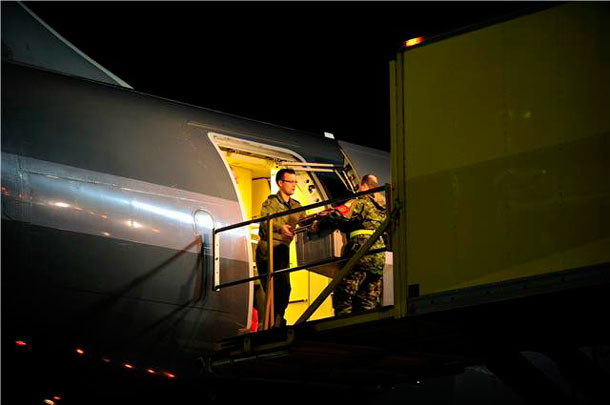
269	313
389	200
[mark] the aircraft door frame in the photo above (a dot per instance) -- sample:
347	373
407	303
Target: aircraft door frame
277	157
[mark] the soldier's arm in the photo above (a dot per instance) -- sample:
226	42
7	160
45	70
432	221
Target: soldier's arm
267	208
335	219
357	212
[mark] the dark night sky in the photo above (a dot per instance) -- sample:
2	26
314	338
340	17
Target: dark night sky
314	66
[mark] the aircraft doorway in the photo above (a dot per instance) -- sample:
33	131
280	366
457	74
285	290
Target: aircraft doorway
253	168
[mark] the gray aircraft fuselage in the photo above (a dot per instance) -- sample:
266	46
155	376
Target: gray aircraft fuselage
109	199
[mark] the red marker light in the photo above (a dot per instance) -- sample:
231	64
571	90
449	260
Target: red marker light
414	41
169	375
56	398
20	343
80	351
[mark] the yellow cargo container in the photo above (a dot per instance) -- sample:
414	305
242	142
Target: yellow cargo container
501	151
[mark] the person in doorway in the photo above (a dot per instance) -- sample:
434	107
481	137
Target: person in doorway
358	218
283	233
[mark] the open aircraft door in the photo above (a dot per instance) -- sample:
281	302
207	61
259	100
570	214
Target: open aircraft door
253	167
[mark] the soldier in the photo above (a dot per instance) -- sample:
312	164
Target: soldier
283	232
359	218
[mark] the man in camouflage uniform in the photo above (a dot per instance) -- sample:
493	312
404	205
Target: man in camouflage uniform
359	218
283	232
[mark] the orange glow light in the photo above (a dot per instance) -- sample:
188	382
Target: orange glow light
80	351
414	41
20	343
127	365
48	401
150	371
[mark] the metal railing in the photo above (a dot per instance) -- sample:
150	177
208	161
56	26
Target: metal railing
364	250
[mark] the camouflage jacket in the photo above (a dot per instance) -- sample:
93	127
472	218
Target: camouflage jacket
363	213
272	205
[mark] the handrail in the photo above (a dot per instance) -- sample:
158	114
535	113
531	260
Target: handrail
351	261
216	284
295	210
302	267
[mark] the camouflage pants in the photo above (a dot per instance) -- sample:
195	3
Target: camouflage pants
358	291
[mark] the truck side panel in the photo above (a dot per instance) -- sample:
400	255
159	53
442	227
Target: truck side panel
505	137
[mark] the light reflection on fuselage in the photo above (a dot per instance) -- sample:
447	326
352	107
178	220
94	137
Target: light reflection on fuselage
120	208
183	217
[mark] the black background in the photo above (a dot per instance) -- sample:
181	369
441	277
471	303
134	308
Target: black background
314	66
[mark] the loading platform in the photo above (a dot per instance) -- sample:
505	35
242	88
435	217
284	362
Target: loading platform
555	313
442	334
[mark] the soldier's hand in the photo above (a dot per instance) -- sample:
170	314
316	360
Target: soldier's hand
286	230
315	227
